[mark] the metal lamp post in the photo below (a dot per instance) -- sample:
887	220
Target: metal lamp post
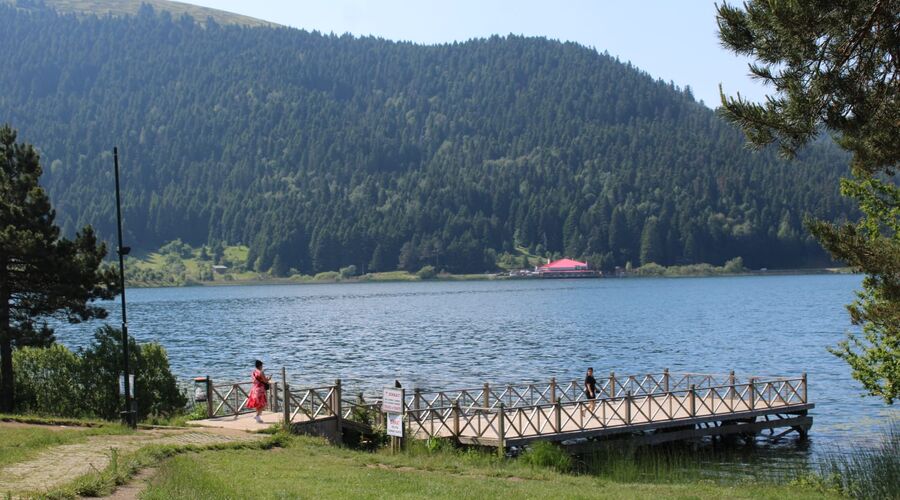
128	414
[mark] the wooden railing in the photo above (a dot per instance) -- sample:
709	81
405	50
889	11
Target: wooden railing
231	398
312	403
531	411
532	394
496	414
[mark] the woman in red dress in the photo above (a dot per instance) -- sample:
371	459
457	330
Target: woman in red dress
257	399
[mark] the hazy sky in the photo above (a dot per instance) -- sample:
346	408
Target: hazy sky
672	40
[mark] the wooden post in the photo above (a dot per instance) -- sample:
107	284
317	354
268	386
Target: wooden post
666	380
501	431
752	390
612	384
628	408
336	408
553	391
692	398
731	391
271	396
209	397
397	442
487	395
286	399
455	411
803	394
403	419
557	416
417	397
237	404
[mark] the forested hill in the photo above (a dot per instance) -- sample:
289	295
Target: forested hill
131	7
322	151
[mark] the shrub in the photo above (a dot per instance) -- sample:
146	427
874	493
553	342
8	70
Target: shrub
546	454
426	273
156	386
177	248
327	276
56	381
735	265
651	269
45	379
348	272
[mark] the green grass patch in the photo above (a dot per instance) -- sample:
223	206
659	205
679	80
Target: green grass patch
122	468
44	420
863	472
309	467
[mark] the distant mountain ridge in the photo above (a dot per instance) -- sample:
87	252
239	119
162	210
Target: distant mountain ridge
322	151
102	8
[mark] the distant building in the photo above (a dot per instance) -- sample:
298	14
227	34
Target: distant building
220	269
566	268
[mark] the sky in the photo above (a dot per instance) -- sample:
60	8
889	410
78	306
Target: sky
669	39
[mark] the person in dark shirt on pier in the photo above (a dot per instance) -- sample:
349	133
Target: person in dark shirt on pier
590	389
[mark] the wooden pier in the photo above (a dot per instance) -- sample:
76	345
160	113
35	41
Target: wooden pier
649	408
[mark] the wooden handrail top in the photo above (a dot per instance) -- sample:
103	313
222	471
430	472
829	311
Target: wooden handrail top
498	387
307	389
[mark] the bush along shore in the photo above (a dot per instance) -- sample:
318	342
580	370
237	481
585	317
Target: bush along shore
55	381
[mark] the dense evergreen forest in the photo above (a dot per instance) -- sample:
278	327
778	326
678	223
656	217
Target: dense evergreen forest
321	151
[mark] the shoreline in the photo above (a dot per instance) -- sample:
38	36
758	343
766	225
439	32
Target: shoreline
412	278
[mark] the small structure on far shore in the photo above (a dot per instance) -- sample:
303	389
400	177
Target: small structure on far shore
220	269
566	268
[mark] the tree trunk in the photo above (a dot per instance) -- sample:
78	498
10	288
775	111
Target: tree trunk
7	387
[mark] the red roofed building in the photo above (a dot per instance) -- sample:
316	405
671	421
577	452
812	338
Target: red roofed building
566	268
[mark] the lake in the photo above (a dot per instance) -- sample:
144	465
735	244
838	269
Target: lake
452	334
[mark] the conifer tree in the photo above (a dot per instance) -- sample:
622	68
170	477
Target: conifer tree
41	274
651	242
834	67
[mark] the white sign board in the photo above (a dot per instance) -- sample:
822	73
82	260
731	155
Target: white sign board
392	401
122	384
395	424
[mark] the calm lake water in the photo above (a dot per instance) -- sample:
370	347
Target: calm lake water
448	334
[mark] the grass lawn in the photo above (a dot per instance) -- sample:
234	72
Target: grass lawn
309	468
20	442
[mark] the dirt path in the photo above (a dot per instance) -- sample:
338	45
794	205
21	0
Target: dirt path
61	464
132	490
